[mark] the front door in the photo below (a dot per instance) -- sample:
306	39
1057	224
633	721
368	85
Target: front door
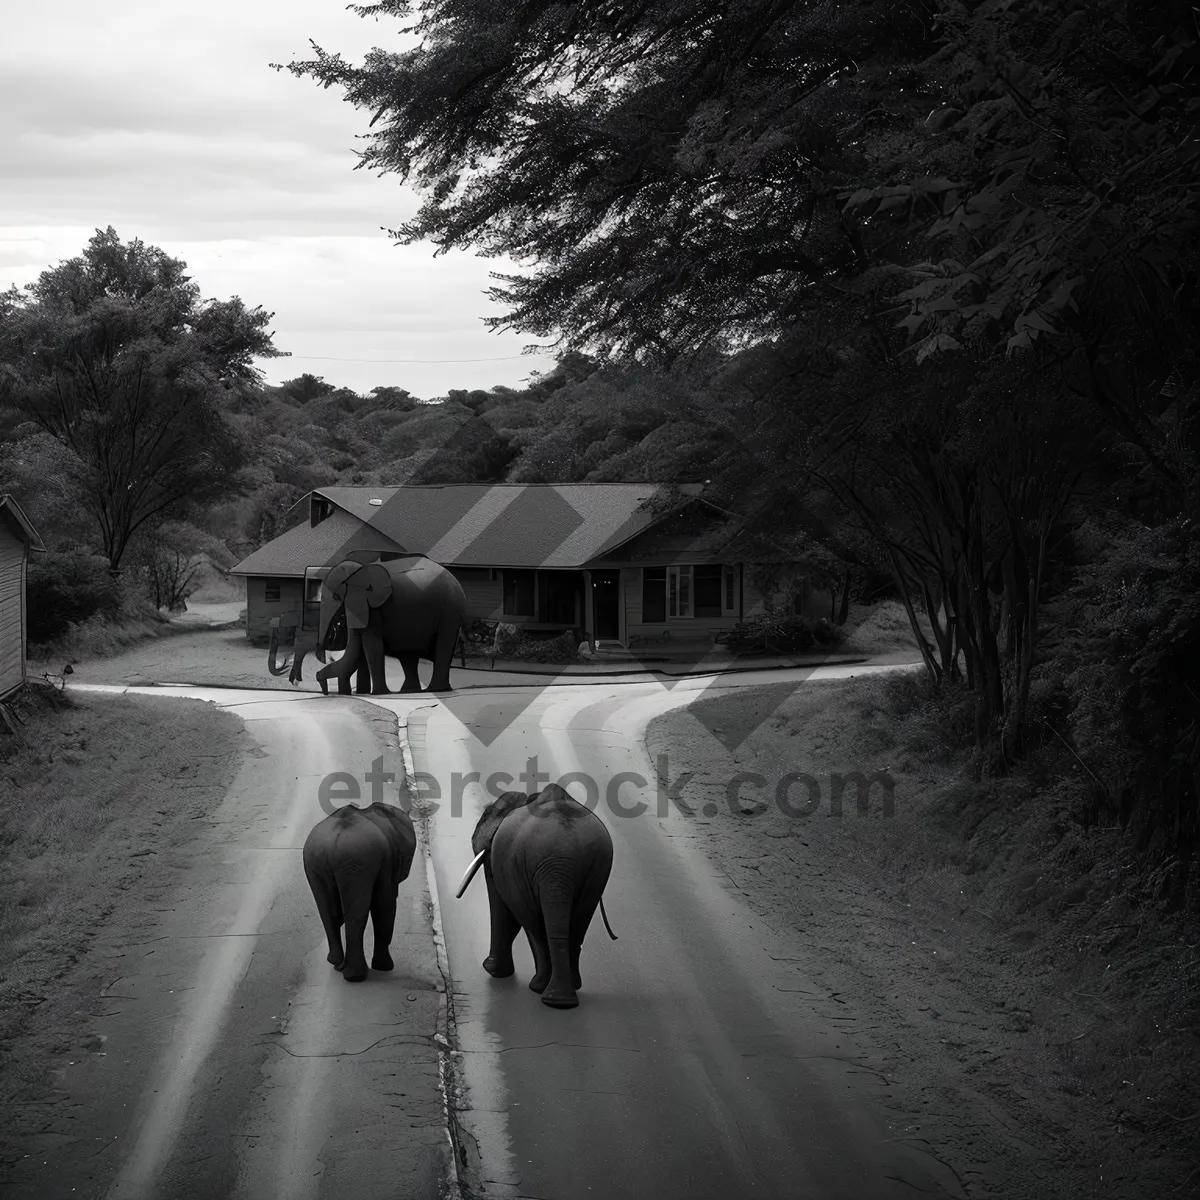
606	605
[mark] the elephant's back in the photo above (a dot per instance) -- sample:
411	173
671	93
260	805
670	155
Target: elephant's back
555	821
396	827
347	830
417	573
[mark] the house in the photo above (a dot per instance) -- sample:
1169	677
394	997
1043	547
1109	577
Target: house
623	563
18	540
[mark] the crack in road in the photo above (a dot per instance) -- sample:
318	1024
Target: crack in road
391	1039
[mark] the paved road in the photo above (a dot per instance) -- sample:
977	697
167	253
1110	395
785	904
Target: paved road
701	1062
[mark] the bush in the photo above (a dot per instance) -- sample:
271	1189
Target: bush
511	642
66	589
782	634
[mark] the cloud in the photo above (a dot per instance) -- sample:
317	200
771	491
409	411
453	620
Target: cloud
166	122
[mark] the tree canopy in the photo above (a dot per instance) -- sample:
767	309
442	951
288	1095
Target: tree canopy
114	355
683	173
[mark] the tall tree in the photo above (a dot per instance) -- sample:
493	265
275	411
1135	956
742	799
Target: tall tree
672	169
114	355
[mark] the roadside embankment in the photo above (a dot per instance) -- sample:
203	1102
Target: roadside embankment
96	795
1013	972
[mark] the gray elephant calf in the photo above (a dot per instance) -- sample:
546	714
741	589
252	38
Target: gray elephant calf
355	861
546	859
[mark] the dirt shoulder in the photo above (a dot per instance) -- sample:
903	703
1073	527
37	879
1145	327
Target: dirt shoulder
94	804
1036	1018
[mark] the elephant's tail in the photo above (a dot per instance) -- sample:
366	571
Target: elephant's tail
606	924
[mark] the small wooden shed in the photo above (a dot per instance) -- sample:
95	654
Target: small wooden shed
18	539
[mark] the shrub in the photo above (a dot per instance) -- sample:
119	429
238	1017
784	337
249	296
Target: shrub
66	589
782	634
513	643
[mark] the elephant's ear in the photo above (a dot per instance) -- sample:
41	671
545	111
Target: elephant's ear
491	817
367	588
334	583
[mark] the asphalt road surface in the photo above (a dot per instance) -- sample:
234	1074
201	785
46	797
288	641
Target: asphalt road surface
700	1062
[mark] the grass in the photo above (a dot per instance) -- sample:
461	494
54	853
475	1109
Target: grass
1038	911
99	637
92	791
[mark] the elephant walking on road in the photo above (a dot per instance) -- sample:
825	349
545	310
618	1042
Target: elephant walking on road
355	861
410	607
546	859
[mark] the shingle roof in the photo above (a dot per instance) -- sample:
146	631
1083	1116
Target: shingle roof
505	525
18	522
304	546
468	525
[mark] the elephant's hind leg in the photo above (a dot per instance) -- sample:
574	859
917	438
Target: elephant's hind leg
329	906
355	886
383	921
505	926
540	947
412	674
443	656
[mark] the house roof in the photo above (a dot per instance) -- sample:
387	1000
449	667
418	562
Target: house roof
18	522
482	525
305	546
506	524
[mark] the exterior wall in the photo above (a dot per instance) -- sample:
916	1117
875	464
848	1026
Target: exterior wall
681	628
749	600
485	596
260	610
12	611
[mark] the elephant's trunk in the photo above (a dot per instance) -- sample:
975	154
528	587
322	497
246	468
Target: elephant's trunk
476	863
273	666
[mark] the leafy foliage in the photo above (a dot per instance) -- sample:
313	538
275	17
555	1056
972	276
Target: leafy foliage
666	166
113	355
64	589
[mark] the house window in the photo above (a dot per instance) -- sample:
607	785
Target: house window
558	590
518	593
312	590
731	597
272	593
679	591
707	581
654	594
318	509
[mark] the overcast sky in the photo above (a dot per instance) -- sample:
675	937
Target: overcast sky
164	120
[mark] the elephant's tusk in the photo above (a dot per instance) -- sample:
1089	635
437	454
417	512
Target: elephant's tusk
606	924
476	863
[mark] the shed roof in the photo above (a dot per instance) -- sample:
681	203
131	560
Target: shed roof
19	523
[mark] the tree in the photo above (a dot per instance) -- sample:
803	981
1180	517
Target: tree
115	356
169	556
672	170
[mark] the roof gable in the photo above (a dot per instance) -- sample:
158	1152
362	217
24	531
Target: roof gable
323	545
19	523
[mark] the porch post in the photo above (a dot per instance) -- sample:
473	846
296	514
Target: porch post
621	634
589	615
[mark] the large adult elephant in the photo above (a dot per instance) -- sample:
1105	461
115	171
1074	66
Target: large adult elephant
355	861
546	859
409	607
